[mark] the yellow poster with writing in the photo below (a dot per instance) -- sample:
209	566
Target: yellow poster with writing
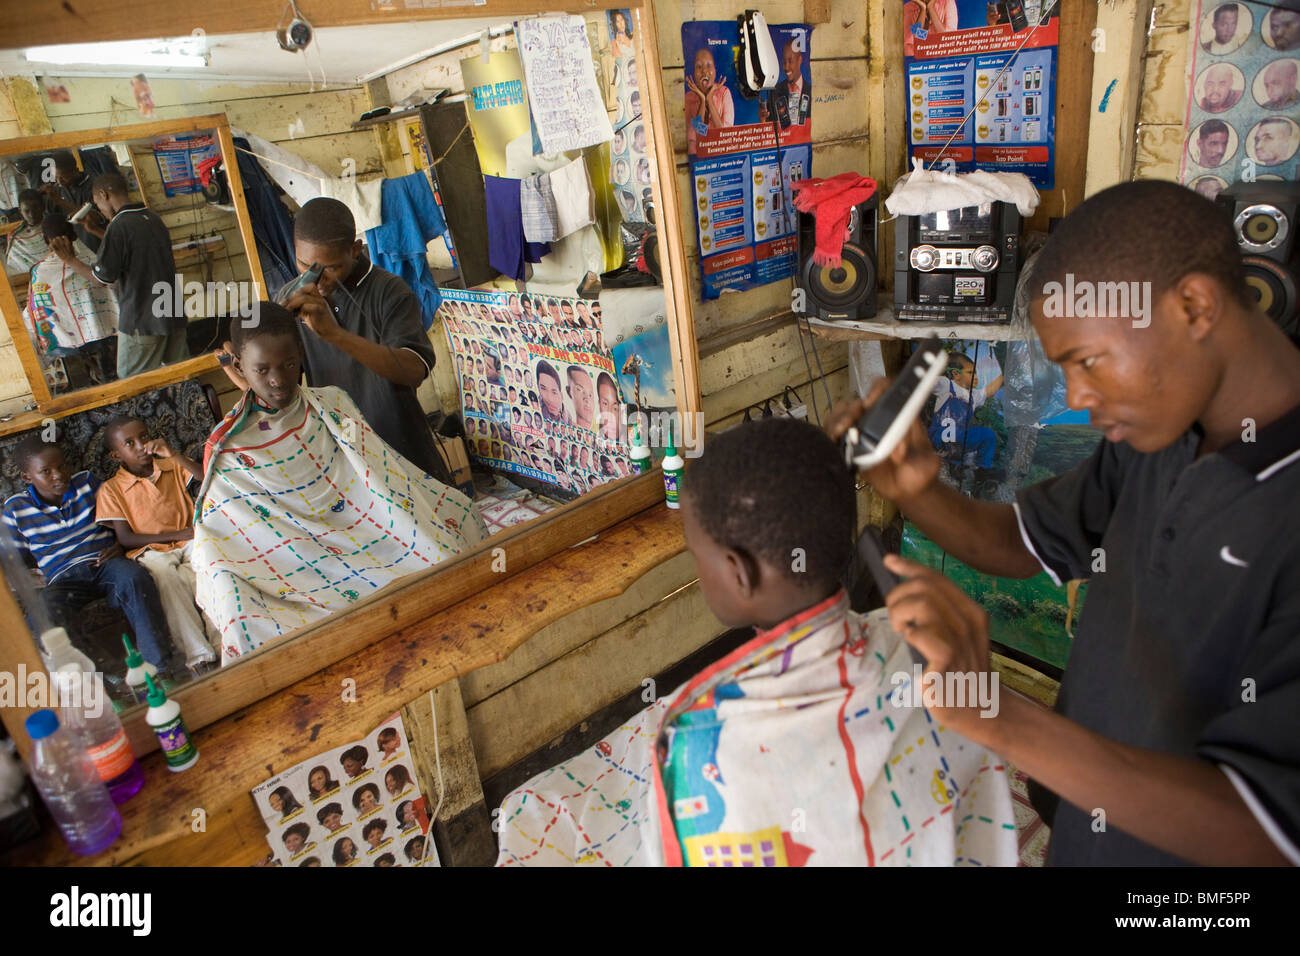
497	106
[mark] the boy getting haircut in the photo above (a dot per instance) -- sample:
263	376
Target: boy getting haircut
792	750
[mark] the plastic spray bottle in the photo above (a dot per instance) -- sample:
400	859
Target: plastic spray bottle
164	716
672	466
137	669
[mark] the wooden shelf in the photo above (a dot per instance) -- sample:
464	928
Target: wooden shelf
885	326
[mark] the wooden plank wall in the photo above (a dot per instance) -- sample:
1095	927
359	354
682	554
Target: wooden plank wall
1163	109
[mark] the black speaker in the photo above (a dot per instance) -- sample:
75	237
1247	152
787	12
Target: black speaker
846	291
1266	220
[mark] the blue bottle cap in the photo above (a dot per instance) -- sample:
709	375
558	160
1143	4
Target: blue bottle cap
42	723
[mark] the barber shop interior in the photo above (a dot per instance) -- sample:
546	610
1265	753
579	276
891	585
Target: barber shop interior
438	434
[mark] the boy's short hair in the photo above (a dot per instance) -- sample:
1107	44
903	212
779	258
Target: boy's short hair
29	448
744	488
117	423
54	225
28	195
271	319
325	222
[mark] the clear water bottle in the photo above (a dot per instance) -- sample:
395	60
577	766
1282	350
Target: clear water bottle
67	781
88	714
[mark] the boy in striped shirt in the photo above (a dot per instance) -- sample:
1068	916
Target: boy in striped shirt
53	520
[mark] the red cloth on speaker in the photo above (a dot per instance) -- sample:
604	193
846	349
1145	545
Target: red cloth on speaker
831	201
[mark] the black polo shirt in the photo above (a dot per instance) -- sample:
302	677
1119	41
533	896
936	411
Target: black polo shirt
79	193
135	255
1198	607
379	307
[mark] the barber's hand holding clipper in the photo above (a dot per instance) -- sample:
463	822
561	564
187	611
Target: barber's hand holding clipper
909	470
315	311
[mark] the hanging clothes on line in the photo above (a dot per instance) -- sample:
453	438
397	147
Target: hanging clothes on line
365	199
272	227
300	179
411	218
507	248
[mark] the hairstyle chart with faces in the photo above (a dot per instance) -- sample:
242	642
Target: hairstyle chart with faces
1244	96
356	805
539	388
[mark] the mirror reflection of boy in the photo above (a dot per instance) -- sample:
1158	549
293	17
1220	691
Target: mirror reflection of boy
25	246
66	312
53	521
135	258
363	332
148	506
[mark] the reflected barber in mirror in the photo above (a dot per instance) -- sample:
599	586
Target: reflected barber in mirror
73	188
362	332
135	258
25	246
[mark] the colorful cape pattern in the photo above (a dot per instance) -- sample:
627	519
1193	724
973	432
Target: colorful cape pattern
790	751
306	511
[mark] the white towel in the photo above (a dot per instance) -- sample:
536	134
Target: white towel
363	198
922	191
286	168
575	205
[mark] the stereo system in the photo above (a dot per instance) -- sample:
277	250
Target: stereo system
957	265
1266	220
846	291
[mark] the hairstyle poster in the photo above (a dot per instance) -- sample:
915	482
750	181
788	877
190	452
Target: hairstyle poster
956	52
357	805
1243	96
564	99
539	388
744	152
990	448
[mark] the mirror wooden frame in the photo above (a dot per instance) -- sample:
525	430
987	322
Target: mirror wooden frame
406	604
48	405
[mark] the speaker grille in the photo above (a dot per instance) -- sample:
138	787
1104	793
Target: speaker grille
842	286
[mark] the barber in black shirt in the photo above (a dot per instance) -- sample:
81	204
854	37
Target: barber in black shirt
363	332
72	188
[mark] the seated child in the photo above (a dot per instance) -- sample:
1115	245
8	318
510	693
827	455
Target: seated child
149	509
791	750
53	520
304	510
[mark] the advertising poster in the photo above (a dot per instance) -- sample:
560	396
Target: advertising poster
1244	96
539	390
629	162
744	153
179	159
954	53
987	458
496	106
356	805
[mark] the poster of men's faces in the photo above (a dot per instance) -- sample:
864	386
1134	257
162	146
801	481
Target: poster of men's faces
357	805
539	392
1245	96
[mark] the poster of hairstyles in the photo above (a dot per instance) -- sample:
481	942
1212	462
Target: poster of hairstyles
1243	96
539	393
357	805
629	160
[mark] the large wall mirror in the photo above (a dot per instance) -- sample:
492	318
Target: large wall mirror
539	374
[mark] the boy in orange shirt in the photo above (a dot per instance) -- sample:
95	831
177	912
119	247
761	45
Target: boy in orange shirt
148	506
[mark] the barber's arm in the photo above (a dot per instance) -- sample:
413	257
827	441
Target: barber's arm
982	534
1183	806
399	365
